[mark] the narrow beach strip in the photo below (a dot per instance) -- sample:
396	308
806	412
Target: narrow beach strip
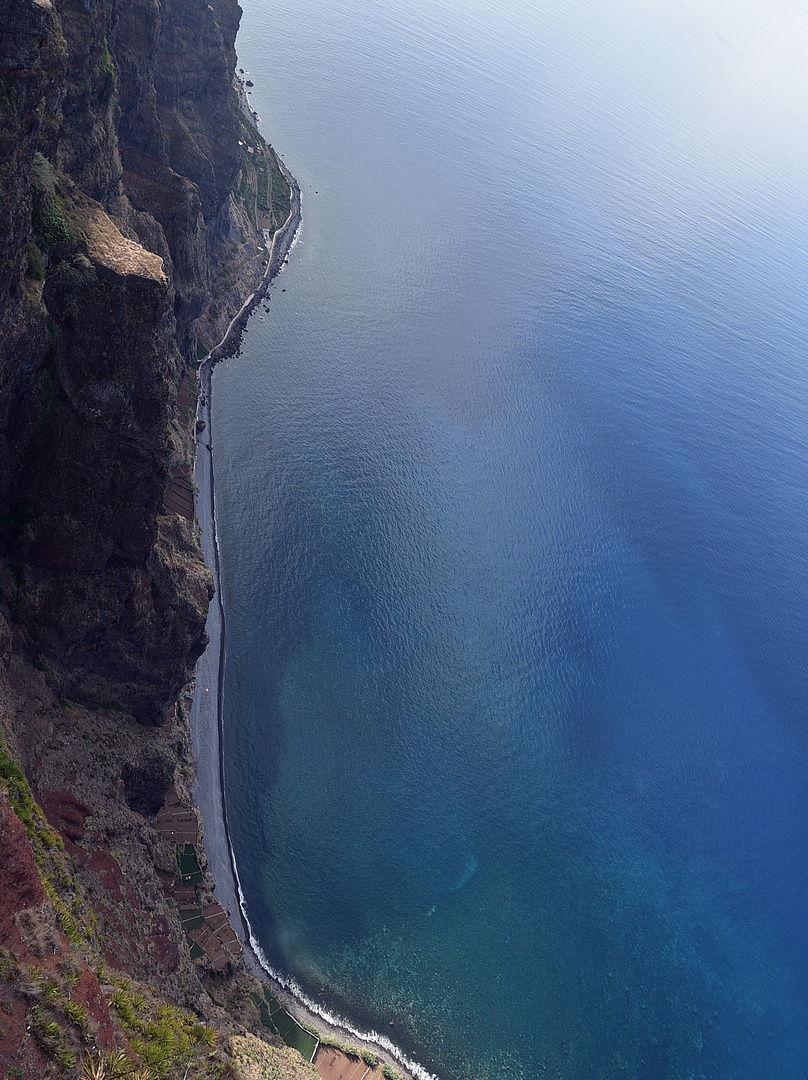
206	709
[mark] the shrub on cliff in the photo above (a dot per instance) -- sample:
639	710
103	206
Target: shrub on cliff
166	1039
104	68
48	219
50	226
36	263
67	281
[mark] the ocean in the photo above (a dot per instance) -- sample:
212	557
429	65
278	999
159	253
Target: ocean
512	496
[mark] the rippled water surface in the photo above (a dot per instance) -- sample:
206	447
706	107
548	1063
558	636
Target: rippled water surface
513	505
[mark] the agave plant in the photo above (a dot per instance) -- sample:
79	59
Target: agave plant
114	1066
76	1012
119	1065
93	1068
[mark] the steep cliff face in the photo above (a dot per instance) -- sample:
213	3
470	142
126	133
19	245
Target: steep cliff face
124	253
120	146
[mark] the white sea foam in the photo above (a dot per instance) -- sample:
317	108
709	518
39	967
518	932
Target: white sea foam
293	988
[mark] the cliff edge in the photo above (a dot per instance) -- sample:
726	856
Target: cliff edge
123	253
132	229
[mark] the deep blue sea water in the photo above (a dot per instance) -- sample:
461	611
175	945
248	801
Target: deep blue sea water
512	486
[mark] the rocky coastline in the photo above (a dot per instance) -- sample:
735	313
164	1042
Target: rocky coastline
137	200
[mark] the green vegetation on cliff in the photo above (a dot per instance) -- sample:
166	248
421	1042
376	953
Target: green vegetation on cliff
74	914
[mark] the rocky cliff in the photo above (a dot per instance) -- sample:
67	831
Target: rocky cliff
131	230
121	151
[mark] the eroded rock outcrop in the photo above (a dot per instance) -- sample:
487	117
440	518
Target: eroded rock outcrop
121	151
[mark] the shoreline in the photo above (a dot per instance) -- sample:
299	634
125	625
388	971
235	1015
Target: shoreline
207	713
206	708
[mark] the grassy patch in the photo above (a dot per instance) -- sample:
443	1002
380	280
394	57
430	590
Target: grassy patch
191	919
75	916
278	1020
188	865
266	1015
338	1044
